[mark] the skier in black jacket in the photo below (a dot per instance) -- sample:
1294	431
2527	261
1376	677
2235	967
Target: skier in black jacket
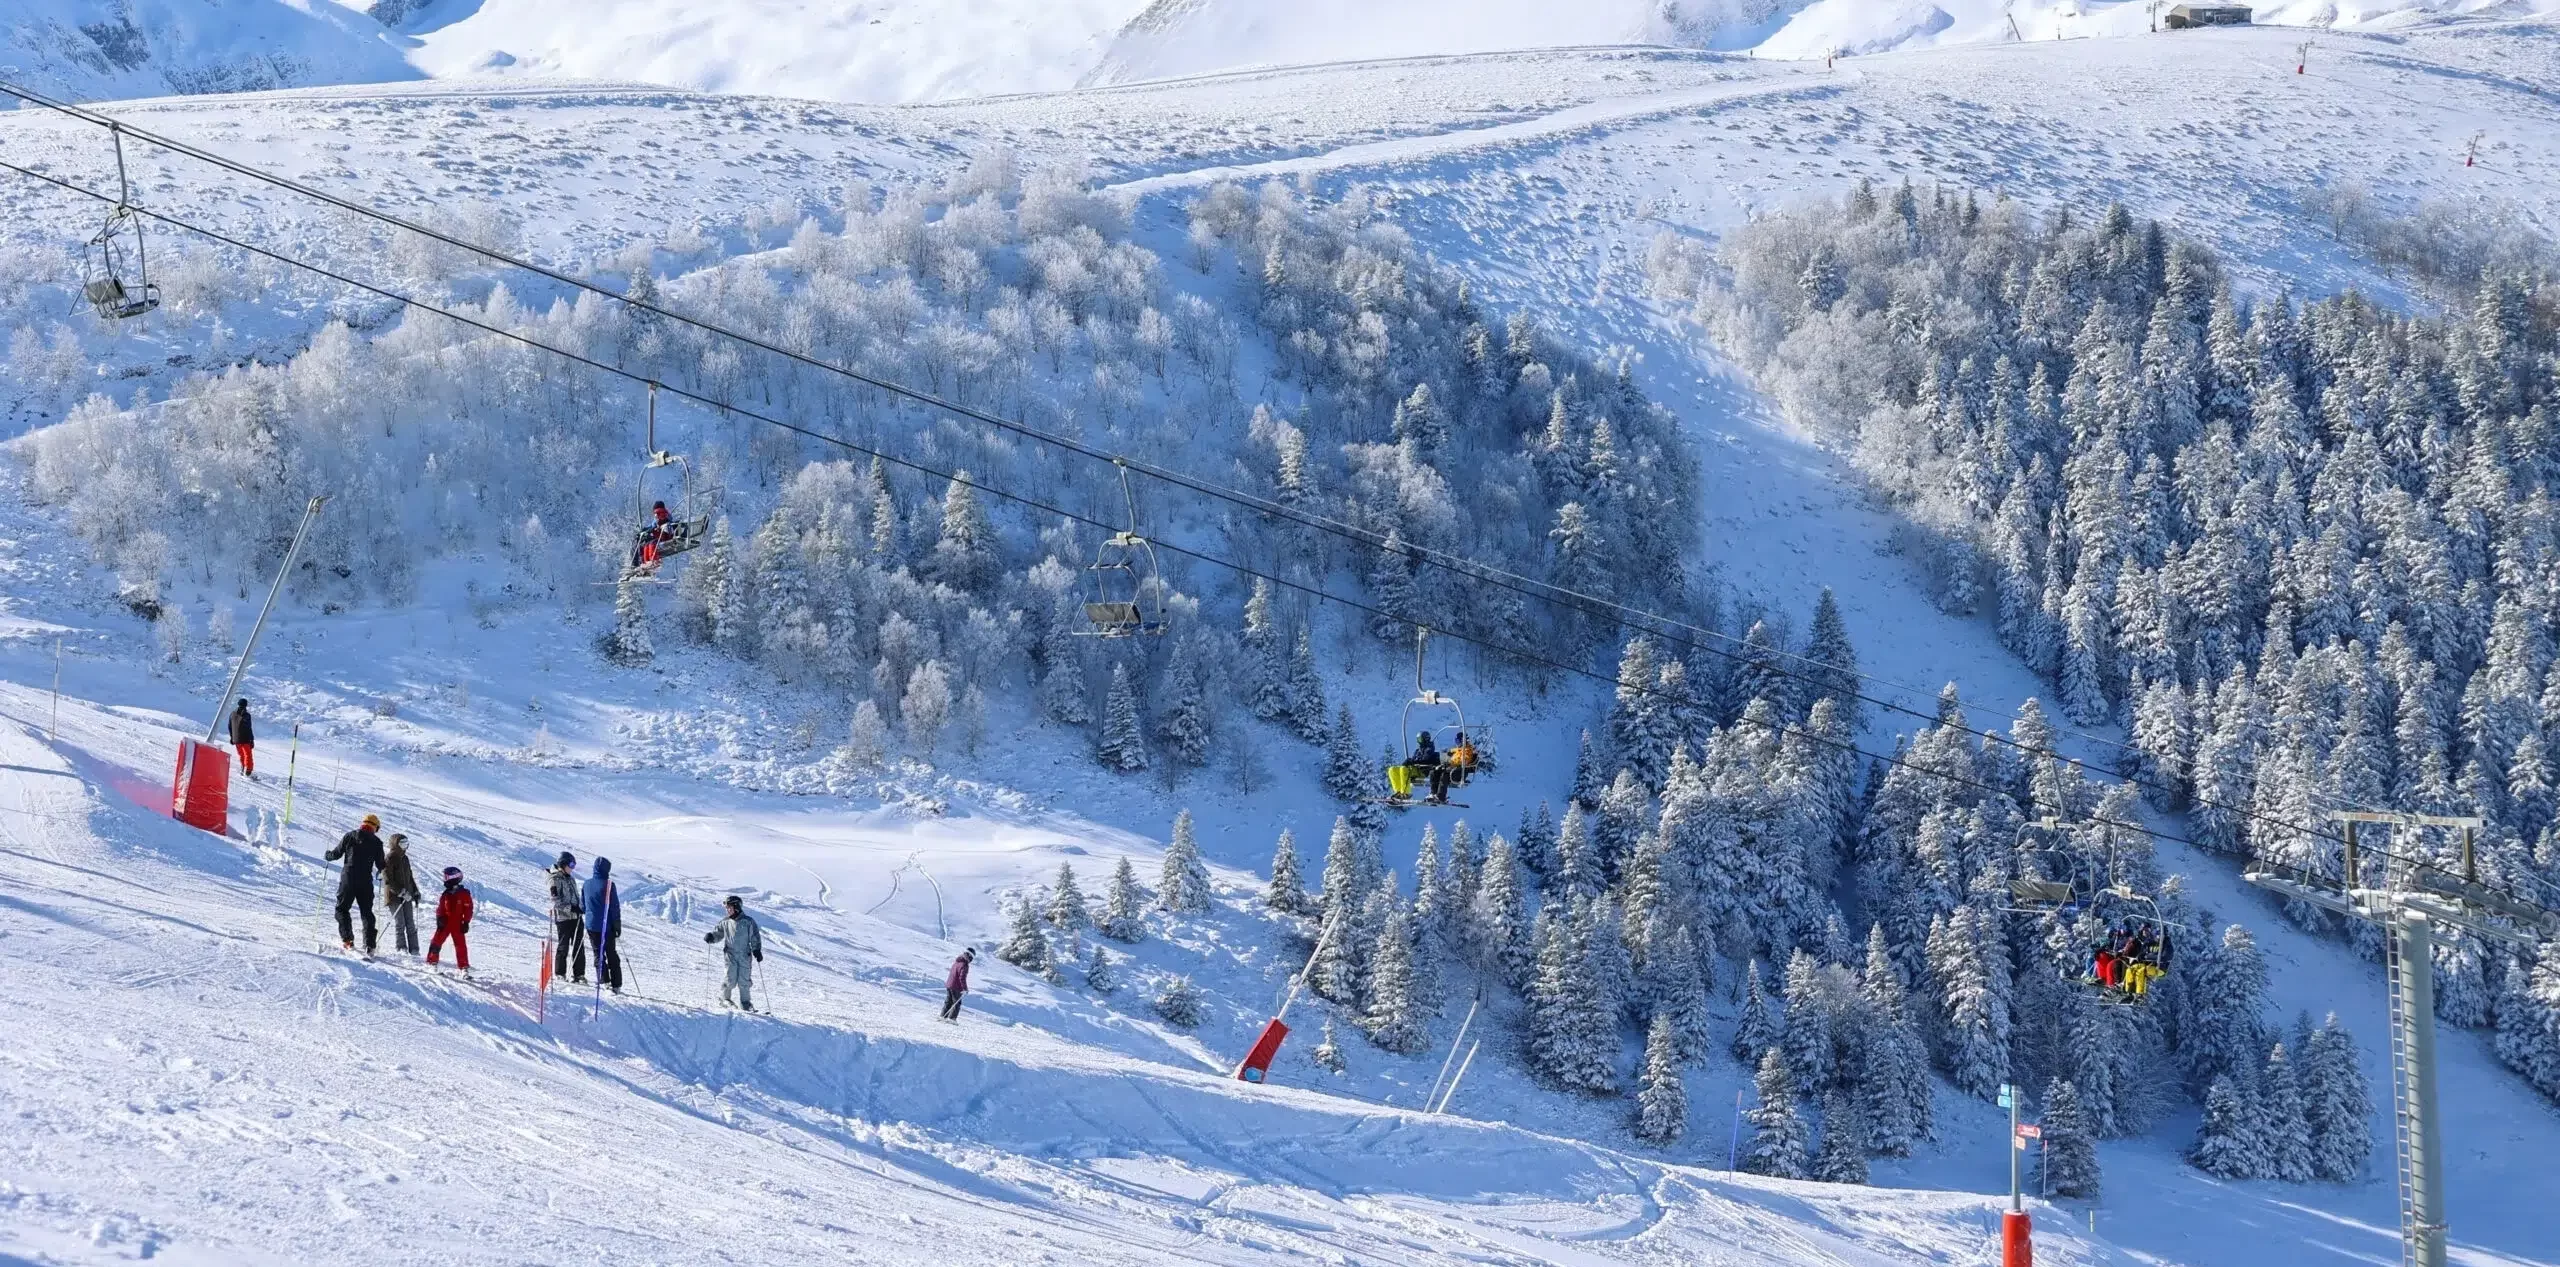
243	739
362	849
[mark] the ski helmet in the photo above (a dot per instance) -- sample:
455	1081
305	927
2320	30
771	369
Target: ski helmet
453	875
372	821
566	859
734	904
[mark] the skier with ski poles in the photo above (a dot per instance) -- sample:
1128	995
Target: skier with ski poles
743	943
569	947
362	850
400	894
956	983
602	904
244	738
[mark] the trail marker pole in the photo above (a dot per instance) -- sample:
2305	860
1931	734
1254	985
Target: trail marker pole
2017	1247
54	727
2301	57
292	752
1733	1148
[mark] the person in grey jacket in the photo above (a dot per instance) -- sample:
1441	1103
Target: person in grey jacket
568	946
744	943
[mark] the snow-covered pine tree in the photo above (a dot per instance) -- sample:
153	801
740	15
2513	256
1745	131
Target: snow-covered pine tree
1328	1053
1067	908
1577	855
2280	1120
1498	922
1336	971
1099	976
2070	1147
2228	1141
1778	1136
1266	657
1179	1002
1395	1014
1662	1094
1805	1031
1894	1083
1124	912
1843	1155
628	643
1589	780
1971	962
1124	741
2220	1032
1832	662
2337	1106
1754	1033
1288	891
1062	679
1626	815
1306	690
1184	723
1430	894
1347	774
1026	944
1678	990
965	556
1183	885
1536	840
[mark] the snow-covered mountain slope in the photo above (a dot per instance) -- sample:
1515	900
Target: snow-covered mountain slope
97	49
1544	177
877	50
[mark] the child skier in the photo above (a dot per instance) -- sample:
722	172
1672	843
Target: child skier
400	893
744	943
453	919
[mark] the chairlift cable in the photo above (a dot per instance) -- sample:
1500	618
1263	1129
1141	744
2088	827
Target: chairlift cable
1779	729
1623	615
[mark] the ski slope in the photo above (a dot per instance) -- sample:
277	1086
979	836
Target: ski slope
175	977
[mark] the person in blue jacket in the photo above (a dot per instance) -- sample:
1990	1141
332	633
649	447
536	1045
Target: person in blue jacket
603	905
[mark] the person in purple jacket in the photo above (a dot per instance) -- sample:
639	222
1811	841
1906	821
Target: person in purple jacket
957	984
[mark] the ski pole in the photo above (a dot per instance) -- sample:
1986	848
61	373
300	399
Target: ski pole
291	753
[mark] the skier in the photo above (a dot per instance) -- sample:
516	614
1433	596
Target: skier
362	850
957	984
569	942
602	904
744	943
243	739
453	919
1462	760
1426	762
400	894
644	553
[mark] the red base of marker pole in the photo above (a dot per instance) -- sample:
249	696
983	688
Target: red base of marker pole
2015	1247
1257	1063
200	791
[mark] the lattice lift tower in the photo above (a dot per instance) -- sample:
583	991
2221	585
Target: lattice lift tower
2410	902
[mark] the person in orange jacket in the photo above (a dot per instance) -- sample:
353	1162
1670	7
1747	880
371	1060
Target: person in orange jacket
453	919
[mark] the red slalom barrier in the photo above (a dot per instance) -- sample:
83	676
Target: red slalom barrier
2016	1248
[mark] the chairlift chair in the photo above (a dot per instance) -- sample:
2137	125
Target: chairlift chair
116	254
1401	775
1123	568
653	544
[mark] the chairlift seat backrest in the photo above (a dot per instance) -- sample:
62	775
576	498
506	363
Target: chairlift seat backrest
2042	892
1113	616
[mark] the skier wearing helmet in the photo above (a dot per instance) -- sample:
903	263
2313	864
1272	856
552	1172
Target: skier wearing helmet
743	941
453	919
362	849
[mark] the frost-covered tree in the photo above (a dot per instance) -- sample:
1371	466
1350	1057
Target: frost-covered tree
965	557
1843	1155
1288	891
1347	774
1100	976
1395	1017
1328	1053
2229	1143
2070	1147
867	743
1345	890
1805	1031
1067	908
1662	1094
1179	1002
926	706
1779	1140
2337	1107
2281	1122
1498	927
627	644
1124	742
1183	885
1893	1082
1026	944
1124	910
1306	691
1754	1032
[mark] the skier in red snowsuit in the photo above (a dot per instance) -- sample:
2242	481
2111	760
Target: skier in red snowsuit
453	919
645	557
